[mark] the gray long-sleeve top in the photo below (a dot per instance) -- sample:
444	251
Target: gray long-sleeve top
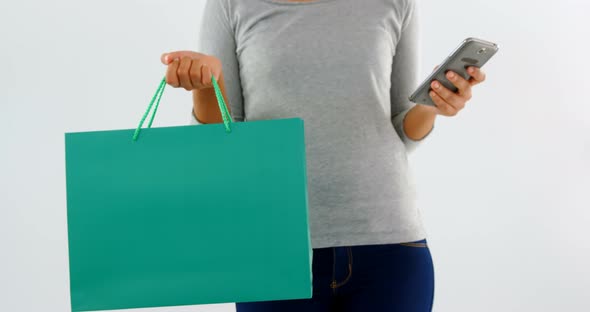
346	67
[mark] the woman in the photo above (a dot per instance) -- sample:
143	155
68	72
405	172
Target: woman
346	67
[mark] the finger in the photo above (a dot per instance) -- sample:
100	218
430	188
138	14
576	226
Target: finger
216	69
171	74
183	73
477	75
463	86
443	107
447	95
167	58
206	75
195	74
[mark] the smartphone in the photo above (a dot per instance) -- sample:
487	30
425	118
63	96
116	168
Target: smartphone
471	52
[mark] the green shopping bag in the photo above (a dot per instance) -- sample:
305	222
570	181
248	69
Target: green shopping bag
188	215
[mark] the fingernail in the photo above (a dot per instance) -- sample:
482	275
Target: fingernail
432	93
450	75
435	85
470	70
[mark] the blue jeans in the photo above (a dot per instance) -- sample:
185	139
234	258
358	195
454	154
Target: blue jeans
390	277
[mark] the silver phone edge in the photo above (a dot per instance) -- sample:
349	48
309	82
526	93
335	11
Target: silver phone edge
458	49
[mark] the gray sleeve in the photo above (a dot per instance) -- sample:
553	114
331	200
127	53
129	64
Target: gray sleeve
404	74
217	38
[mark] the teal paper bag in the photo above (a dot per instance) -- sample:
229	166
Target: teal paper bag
188	215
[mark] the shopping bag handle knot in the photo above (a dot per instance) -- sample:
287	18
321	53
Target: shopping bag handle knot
227	120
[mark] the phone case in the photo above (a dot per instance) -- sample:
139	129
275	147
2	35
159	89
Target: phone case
471	52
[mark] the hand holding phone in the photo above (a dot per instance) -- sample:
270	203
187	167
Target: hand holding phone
471	52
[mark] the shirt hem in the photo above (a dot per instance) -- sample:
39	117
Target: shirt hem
359	239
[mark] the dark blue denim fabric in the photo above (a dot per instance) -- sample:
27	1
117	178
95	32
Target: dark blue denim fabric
390	277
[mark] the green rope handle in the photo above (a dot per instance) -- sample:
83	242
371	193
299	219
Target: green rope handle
222	106
156	97
227	120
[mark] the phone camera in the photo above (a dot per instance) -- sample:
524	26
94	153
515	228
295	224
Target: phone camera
482	50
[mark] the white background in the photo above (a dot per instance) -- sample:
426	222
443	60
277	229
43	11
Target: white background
503	186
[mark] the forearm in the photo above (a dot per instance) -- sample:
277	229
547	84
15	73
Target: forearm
205	107
419	121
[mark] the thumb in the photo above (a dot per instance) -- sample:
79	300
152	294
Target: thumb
167	58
